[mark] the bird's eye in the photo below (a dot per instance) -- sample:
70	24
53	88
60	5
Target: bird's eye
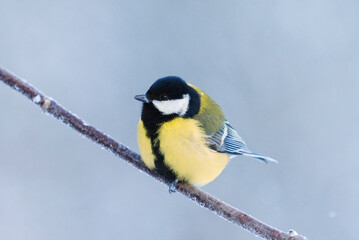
163	97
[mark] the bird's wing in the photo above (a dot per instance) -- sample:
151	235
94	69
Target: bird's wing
227	140
210	115
221	136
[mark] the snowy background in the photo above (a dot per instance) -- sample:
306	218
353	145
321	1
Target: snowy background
286	73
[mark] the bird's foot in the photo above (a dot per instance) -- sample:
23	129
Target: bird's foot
172	187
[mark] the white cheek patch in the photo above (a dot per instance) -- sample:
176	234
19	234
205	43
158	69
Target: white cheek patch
175	106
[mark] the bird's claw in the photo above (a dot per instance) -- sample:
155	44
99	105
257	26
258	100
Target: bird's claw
172	187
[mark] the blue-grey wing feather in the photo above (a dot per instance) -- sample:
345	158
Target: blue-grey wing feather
227	140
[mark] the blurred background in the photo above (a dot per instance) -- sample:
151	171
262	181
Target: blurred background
286	74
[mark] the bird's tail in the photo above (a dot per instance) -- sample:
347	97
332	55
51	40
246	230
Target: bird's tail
258	156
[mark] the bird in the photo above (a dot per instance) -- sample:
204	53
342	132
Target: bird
183	134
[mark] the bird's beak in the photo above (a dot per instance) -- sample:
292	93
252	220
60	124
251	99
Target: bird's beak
142	98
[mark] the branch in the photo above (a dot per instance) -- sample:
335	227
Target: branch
202	198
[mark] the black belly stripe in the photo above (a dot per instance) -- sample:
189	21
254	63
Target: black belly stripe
152	120
160	165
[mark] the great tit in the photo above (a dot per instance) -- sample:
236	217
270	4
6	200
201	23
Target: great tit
184	135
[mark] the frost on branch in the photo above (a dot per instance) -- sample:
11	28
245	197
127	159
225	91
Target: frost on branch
199	196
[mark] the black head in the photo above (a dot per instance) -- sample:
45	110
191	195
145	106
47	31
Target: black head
168	88
170	97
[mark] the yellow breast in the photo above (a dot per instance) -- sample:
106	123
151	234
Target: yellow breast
144	144
182	142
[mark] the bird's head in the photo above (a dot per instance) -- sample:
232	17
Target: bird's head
171	96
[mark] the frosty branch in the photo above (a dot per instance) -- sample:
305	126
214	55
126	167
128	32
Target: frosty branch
200	197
